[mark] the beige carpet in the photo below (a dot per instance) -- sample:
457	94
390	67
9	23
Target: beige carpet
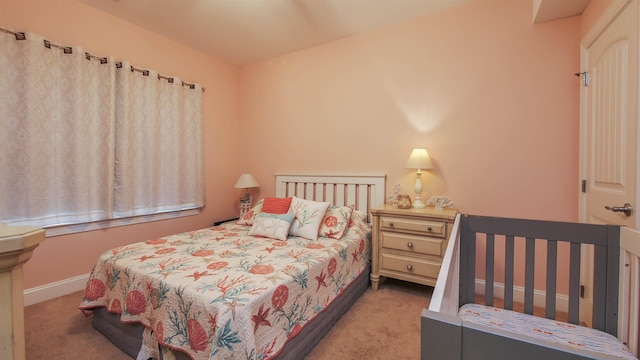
383	324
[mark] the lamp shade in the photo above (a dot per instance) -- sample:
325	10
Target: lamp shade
246	181
419	159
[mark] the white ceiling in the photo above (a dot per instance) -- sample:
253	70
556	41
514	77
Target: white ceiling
244	31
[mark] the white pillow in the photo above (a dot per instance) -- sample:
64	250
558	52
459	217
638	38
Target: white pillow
274	226
308	216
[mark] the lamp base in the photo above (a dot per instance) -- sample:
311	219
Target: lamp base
418	204
245	204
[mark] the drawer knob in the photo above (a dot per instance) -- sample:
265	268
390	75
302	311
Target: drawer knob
429	228
410	267
391	224
410	245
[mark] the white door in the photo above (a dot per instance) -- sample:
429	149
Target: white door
609	112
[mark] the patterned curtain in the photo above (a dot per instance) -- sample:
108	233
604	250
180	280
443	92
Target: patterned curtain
56	133
158	144
82	140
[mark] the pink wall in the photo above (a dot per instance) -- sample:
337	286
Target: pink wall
490	95
70	22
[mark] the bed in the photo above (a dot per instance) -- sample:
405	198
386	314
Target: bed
242	289
464	321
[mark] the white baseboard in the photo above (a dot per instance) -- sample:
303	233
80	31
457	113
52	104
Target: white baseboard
55	289
539	296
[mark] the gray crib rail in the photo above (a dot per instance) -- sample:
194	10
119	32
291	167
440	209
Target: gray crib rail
604	238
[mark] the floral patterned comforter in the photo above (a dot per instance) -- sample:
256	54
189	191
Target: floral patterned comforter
218	292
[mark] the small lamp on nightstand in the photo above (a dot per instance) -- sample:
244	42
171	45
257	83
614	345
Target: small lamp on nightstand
245	181
419	160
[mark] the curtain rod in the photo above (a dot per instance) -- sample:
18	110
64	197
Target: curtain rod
68	50
147	72
18	35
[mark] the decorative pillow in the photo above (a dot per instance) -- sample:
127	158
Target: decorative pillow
358	217
274	226
249	216
308	216
358	223
274	205
335	221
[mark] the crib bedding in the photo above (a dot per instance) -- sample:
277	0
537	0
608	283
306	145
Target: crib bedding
220	292
573	338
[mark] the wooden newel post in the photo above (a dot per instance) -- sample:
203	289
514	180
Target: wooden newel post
16	247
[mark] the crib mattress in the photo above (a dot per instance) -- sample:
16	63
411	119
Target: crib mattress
574	338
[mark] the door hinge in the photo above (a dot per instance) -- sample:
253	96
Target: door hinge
582	291
585	77
584	185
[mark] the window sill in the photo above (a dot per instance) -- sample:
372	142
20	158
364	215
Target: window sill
106	224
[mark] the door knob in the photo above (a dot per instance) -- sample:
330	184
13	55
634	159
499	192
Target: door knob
627	209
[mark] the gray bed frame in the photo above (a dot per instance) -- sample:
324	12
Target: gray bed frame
443	334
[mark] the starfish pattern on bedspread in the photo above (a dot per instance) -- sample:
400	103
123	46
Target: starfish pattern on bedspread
218	292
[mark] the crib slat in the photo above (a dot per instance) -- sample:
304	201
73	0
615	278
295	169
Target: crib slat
488	286
634	307
529	269
508	273
467	262
574	283
552	266
599	286
612	282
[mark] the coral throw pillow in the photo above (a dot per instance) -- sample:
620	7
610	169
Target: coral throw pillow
273	205
335	221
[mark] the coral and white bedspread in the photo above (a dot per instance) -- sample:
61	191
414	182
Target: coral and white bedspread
577	339
218	292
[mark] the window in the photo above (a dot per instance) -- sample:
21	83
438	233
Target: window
84	140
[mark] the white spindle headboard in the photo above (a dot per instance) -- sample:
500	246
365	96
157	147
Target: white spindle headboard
363	191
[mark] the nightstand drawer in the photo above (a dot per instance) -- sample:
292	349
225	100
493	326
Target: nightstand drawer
411	266
413	243
431	228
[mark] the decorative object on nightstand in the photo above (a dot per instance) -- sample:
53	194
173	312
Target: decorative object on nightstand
397	191
409	244
246	181
419	160
404	201
440	202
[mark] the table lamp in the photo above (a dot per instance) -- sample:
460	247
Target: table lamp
419	160
245	181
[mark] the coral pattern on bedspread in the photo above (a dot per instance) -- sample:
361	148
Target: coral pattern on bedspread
578	339
220	293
